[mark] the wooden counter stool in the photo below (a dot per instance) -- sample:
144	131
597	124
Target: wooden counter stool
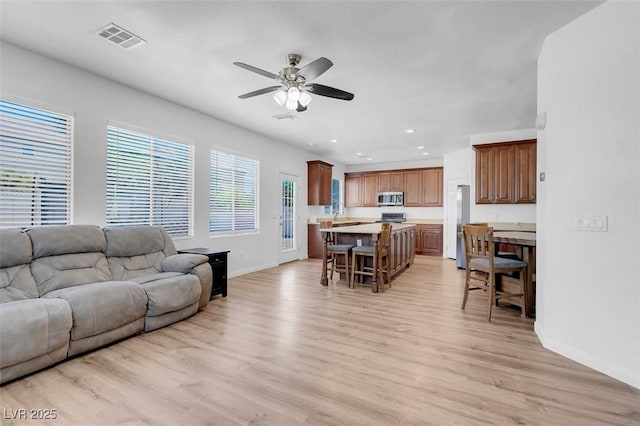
360	253
335	250
479	248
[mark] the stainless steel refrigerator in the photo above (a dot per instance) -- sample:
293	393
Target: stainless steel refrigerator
463	206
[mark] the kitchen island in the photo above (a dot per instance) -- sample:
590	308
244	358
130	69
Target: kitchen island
402	247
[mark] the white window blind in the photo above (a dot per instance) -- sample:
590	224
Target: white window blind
233	193
35	166
149	181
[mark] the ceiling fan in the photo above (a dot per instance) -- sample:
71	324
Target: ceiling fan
295	83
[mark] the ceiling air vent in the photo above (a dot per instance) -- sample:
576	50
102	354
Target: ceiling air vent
118	35
286	116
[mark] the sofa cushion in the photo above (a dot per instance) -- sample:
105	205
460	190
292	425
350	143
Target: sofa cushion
127	241
15	248
65	239
16	281
32	328
183	262
171	293
69	270
100	307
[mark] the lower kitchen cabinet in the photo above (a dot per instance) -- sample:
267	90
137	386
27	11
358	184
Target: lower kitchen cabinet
429	239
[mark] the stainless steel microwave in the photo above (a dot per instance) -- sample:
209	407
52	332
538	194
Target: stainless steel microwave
391	198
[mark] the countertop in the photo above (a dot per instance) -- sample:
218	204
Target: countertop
366	228
340	221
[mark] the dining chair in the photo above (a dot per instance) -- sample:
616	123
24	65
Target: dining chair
359	263
480	252
334	251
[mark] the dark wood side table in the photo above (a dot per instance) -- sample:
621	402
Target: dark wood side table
218	262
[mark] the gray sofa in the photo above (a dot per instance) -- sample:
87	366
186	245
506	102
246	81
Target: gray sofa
65	290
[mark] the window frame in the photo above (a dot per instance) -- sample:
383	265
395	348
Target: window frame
53	111
256	199
155	138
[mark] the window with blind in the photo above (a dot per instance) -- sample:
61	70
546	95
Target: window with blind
233	193
149	181
35	166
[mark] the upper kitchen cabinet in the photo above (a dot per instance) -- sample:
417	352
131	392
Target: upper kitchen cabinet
526	166
423	187
319	183
506	172
390	181
361	190
352	190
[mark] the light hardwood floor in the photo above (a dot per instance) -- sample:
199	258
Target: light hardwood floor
283	350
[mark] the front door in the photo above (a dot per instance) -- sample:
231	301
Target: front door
288	218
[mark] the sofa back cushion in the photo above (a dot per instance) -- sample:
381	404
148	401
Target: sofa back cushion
16	281
134	251
67	256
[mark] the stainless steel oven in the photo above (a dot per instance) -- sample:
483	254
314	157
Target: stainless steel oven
391	198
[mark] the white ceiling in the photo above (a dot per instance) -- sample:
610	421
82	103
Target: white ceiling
445	69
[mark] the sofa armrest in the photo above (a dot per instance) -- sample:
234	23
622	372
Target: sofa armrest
183	262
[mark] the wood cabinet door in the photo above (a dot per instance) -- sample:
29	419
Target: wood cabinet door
525	173
325	185
429	241
484	178
319	183
413	188
384	181
432	187
369	190
352	191
504	174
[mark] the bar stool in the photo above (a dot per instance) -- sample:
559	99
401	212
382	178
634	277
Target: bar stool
361	253
334	250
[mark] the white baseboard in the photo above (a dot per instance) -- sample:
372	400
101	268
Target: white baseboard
624	375
237	273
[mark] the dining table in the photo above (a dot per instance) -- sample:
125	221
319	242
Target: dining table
525	242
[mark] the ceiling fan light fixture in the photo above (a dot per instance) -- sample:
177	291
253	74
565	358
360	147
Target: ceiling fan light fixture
293	94
305	99
291	105
280	97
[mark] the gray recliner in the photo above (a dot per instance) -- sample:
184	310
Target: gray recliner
34	332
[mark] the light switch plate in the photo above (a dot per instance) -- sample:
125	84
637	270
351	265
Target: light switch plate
593	223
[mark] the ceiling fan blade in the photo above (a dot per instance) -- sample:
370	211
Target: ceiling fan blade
256	70
301	108
330	92
315	68
260	92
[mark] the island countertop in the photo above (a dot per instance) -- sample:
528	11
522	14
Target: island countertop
366	228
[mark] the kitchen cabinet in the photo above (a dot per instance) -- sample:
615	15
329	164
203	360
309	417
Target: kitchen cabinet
319	183
525	172
423	187
352	190
361	190
390	181
506	172
429	239
369	190
314	241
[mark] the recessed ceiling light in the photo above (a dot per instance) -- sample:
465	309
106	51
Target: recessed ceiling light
410	130
421	147
359	154
425	153
369	158
334	140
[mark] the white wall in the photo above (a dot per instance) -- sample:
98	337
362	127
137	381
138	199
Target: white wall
94	101
588	287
